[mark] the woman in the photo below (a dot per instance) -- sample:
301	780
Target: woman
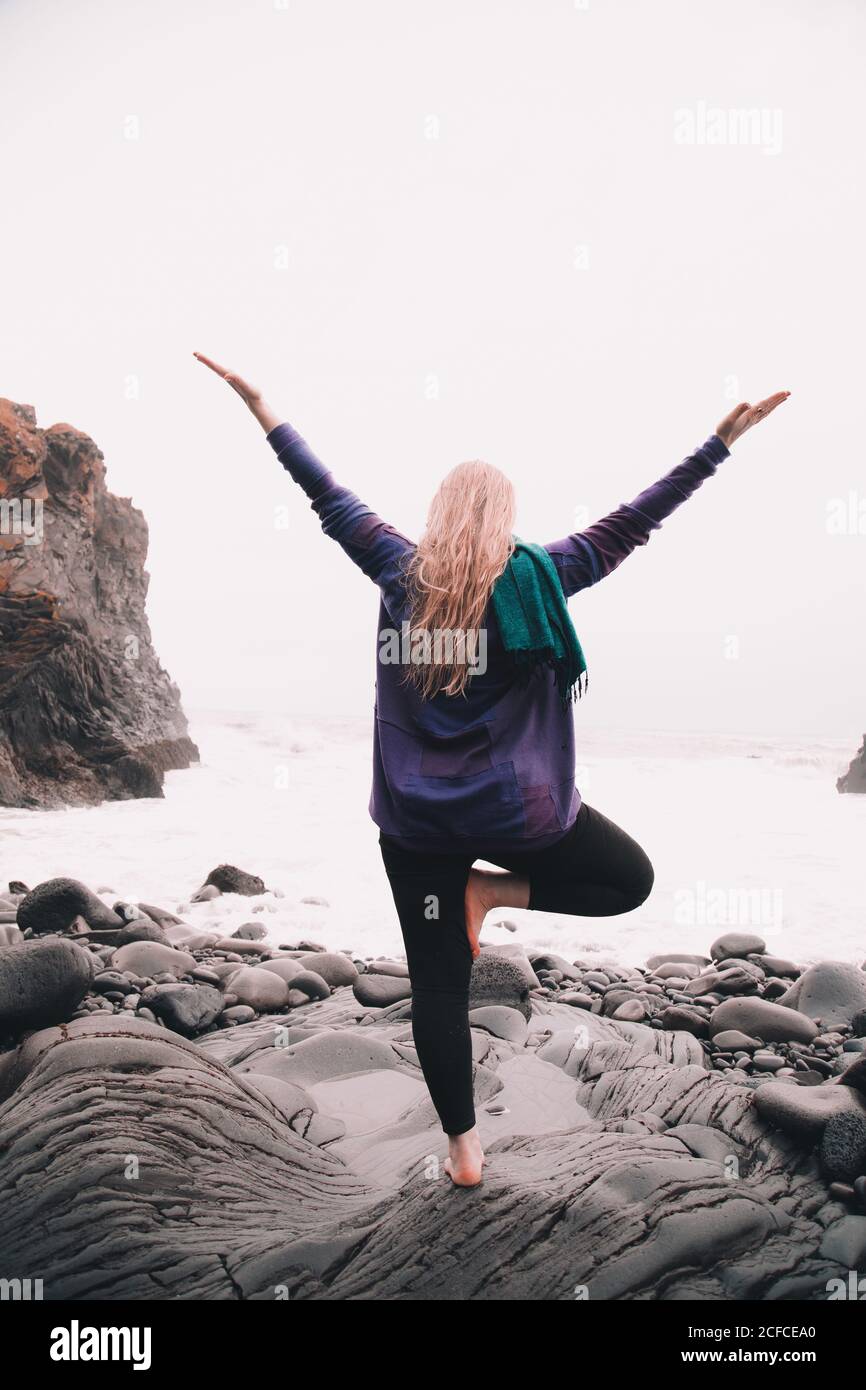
474	737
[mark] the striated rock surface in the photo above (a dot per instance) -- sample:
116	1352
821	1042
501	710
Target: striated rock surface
87	712
217	1119
254	1165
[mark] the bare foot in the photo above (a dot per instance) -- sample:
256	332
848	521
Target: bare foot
486	890
465	1158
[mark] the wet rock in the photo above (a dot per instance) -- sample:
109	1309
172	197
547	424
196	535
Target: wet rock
549	961
855	1075
508	1024
184	1008
677	958
735	943
159	915
250	931
54	905
228	879
803	1111
206	893
261	989
513	952
284	966
760	1019
331	966
854	780
398	968
378	991
681	1017
843	1147
311	984
239	946
677	970
833	992
497	980
150	958
731	1040
41	982
632	1011
777	965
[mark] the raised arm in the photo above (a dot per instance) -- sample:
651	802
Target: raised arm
585	557
374	546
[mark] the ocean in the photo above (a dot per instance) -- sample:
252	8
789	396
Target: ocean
745	833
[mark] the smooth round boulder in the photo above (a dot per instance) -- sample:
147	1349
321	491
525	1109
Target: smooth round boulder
677	970
240	946
249	931
184	1008
508	1024
311	984
549	961
284	966
777	965
631	1011
53	906
855	1074
677	958
398	968
731	1040
679	1018
152	958
41	983
803	1111
378	991
737	943
832	991
336	969
261	989
761	1019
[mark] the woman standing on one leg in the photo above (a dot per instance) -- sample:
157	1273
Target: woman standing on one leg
474	739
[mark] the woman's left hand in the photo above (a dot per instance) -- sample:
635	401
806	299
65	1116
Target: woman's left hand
744	416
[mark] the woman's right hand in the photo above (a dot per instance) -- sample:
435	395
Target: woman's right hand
249	394
744	416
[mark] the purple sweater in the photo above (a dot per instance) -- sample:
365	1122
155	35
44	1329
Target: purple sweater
493	768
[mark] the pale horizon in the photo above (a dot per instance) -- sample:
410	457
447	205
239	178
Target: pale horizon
485	230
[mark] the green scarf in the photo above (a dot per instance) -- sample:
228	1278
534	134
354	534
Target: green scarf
534	621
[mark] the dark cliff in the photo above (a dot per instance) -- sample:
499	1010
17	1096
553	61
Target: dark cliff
87	712
854	780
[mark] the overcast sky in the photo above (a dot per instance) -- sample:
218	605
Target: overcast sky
531	231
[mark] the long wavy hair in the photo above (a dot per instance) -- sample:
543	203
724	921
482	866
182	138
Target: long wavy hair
465	547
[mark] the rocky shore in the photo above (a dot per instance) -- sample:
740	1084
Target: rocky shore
186	1115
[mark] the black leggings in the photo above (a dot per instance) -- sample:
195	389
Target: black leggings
594	870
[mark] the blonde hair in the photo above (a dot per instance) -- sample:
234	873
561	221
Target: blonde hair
464	549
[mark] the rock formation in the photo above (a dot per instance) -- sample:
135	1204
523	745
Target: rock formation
854	780
87	712
220	1118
